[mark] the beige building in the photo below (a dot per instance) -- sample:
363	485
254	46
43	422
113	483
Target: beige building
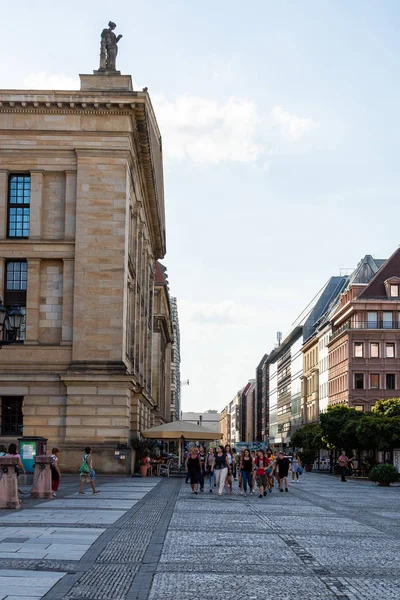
81	227
162	345
310	381
225	426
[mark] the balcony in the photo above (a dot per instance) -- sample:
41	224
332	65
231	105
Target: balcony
375	324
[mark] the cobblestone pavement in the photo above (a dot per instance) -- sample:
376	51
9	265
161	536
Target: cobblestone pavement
149	539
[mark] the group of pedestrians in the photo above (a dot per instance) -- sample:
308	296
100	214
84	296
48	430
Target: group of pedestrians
253	470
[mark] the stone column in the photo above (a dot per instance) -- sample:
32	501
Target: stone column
33	302
70	205
37	180
3	204
67	301
2	276
9	483
42	477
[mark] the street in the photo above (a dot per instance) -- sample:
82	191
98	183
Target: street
151	539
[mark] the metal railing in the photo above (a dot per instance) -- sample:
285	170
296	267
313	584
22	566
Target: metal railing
371	324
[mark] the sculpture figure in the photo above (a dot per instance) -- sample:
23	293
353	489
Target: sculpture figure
109	48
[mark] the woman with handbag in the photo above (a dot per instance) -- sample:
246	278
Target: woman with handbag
86	472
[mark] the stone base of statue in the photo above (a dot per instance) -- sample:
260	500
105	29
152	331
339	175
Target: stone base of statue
106	72
106	80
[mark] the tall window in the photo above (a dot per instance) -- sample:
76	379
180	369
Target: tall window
372	320
359	381
390	381
390	350
11	415
374	381
394	290
19	199
358	350
387	320
374	350
15	288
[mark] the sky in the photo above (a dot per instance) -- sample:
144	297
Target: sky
281	150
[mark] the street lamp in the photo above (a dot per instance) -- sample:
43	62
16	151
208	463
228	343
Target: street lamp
10	324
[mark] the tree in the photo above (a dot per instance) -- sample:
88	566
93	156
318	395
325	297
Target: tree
374	432
309	436
388	408
339	427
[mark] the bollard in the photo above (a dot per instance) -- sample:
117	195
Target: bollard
42	478
9	483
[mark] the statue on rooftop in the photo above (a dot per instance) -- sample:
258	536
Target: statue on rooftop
109	48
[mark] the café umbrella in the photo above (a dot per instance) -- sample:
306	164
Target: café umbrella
181	430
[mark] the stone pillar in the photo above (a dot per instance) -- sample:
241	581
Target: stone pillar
67	301
9	483
3	204
42	477
2	275
70	205
33	302
35	229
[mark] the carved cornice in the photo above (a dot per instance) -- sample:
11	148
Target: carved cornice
66	107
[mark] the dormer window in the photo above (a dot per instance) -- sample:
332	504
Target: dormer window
392	287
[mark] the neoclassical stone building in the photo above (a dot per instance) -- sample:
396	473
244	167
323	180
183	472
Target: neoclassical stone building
81	227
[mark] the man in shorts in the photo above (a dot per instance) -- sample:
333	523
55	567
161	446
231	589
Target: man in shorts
282	467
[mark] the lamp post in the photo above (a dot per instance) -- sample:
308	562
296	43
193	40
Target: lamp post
10	324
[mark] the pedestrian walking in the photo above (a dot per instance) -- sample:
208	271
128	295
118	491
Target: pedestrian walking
12	451
294	467
210	462
282	467
239	473
221	468
3	450
55	470
261	464
193	467
246	470
271	470
229	456
235	466
87	473
343	463
202	455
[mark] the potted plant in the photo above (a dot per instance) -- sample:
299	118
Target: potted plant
307	458
384	475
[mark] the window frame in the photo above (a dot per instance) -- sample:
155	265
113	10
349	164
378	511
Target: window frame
374	387
386	381
370	349
358	345
392	345
18	429
356	387
18	206
16	296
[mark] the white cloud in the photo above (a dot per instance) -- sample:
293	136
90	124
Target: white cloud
43	81
226	312
292	127
206	131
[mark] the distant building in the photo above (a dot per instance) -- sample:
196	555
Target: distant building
247	411
175	364
225	426
209	419
261	412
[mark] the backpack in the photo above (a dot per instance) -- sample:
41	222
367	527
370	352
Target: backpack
84	468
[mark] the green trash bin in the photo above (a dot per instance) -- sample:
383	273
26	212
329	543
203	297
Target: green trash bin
29	448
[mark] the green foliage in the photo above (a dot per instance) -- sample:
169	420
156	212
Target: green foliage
339	425
385	474
388	408
373	432
308	437
307	456
141	446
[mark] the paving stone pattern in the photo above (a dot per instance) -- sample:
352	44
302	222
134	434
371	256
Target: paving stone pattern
143	539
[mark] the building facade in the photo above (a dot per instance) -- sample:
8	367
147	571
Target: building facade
210	420
81	227
261	424
225	426
162	347
175	364
364	359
